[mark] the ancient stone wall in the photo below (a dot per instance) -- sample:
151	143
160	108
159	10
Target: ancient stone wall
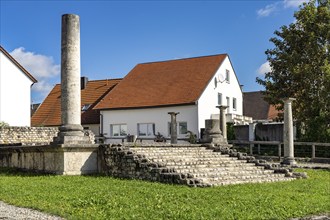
27	135
31	135
120	161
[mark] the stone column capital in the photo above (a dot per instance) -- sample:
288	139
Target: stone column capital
222	107
173	113
288	99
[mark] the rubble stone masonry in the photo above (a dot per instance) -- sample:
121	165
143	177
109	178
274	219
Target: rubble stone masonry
30	135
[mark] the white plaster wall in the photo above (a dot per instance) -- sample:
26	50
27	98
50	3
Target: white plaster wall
159	116
15	94
95	128
209	100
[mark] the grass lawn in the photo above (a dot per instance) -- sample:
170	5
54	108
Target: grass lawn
99	197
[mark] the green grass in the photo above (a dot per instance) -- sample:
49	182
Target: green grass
98	197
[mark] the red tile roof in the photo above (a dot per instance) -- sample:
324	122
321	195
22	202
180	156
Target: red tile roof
49	112
18	65
155	84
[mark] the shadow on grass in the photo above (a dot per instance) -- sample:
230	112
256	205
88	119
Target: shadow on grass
5	171
9	171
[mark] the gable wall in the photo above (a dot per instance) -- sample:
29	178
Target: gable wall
209	99
15	94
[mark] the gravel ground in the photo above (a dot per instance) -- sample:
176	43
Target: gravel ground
15	213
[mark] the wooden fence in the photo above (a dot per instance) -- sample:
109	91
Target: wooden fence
279	144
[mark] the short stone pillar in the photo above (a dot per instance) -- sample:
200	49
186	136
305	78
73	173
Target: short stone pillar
71	131
212	133
288	133
252	128
223	121
174	132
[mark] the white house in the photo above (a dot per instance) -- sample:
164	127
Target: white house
15	91
140	103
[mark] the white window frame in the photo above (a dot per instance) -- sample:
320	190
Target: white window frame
219	98
228	102
122	127
234	104
148	133
178	128
227	76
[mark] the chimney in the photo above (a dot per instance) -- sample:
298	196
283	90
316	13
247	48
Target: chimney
83	82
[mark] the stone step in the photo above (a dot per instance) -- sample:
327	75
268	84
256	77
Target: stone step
184	158
152	152
189	169
210	182
188	154
148	149
235	174
203	163
213	163
211	168
238	177
174	150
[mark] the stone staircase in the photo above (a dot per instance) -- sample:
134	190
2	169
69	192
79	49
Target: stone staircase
205	166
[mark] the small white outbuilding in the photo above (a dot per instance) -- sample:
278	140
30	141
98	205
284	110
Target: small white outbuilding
15	91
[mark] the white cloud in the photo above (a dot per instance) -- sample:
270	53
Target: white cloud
271	8
293	3
41	67
264	68
266	11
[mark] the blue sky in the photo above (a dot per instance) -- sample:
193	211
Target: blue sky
117	35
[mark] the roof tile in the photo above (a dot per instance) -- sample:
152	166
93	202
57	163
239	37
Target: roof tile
173	82
49	112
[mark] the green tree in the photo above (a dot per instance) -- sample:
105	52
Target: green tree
300	68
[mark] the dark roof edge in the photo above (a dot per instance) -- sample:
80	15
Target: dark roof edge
34	80
143	107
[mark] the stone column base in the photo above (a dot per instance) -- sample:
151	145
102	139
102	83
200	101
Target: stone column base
214	140
61	159
71	140
71	134
289	161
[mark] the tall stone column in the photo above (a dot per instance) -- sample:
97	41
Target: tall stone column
71	130
223	122
288	133
174	132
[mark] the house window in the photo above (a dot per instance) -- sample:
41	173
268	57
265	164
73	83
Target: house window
146	129
183	128
85	107
234	104
219	99
228	102
227	76
118	130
